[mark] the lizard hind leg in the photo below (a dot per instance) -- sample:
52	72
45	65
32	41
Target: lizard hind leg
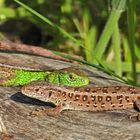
137	108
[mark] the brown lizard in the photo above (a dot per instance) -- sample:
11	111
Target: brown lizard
84	98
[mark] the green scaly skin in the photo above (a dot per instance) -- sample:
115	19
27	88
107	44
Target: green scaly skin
23	77
19	77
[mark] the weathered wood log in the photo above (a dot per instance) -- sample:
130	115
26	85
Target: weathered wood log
17	124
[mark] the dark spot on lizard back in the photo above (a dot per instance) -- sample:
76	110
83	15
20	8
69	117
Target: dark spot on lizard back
63	104
70	95
130	88
108	98
93	98
88	102
103	105
120	105
114	92
77	97
127	98
119	97
100	98
64	93
87	89
95	105
133	92
105	89
94	91
80	104
76	89
84	98
112	104
59	91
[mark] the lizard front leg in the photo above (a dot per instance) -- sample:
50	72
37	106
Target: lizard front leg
50	111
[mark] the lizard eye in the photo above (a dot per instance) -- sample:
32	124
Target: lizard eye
71	76
50	94
37	89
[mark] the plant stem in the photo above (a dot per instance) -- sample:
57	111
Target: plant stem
131	31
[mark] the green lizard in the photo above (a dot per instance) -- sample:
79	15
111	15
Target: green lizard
10	76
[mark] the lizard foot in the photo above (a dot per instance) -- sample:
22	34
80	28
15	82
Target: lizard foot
135	117
38	112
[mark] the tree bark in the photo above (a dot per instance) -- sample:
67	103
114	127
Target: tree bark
17	124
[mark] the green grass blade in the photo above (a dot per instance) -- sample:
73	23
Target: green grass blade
125	45
126	66
109	29
90	42
2	37
117	50
131	32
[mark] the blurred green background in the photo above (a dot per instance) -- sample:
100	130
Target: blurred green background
105	33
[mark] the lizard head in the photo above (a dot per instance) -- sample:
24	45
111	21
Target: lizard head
38	90
67	78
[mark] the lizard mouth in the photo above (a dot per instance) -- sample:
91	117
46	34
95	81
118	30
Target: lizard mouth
26	91
23	90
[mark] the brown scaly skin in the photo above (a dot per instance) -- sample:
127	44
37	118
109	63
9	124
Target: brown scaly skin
5	73
84	98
